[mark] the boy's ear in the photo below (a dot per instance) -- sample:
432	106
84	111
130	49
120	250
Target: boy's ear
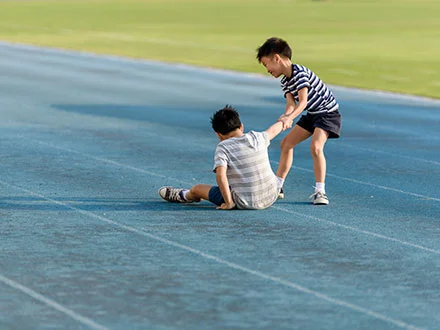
242	127
220	136
277	58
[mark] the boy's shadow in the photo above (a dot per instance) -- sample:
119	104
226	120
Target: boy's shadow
291	203
95	204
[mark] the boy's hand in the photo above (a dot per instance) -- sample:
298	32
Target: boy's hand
226	206
286	120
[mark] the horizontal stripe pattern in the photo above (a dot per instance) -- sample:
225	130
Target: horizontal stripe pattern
252	181
320	98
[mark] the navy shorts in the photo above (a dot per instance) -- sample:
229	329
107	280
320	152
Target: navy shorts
215	196
330	122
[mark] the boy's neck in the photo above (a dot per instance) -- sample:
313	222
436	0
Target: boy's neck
287	68
234	134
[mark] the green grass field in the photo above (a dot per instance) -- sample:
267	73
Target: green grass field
390	45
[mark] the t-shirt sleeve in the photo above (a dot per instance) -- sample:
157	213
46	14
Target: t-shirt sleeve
302	80
265	139
261	138
220	158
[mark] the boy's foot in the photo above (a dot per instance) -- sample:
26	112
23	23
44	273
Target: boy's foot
171	194
319	198
281	194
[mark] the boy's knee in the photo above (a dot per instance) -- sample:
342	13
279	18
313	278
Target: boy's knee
285	145
316	149
195	189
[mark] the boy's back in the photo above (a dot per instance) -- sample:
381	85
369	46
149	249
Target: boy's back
252	181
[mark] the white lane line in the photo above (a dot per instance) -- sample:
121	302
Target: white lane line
112	162
424	197
282	209
404	132
392	154
369	184
374	185
50	302
366	232
229	264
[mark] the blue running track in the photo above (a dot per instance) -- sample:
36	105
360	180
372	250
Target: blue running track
86	242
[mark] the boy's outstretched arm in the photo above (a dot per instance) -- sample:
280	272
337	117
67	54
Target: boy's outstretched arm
223	184
275	129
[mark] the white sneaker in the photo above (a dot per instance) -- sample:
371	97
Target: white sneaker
171	194
319	198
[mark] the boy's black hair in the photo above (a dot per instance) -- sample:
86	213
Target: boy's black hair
225	120
274	46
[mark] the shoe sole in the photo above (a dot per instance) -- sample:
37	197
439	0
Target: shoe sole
320	203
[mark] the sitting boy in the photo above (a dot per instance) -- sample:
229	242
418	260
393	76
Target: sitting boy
244	176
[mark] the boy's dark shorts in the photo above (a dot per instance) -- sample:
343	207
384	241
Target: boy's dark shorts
329	121
215	196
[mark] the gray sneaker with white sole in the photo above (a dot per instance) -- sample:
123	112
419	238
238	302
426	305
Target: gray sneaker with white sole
319	198
174	195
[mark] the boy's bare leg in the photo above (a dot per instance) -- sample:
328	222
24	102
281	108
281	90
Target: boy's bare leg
295	136
198	192
317	150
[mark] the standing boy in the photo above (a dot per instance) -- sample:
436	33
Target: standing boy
303	90
241	164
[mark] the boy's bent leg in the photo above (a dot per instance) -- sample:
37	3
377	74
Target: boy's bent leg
198	192
204	191
179	195
295	136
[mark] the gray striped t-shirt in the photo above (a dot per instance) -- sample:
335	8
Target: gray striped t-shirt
251	179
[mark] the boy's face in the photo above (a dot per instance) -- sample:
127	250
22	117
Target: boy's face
273	64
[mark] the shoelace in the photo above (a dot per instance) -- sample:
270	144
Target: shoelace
316	194
174	194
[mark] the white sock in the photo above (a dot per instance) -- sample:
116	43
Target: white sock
320	186
280	180
184	193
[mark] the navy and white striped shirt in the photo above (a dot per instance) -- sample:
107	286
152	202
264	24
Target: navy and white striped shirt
320	98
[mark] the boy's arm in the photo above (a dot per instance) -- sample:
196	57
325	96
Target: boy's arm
292	110
223	184
290	104
275	129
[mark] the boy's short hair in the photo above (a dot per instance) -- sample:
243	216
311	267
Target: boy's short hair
274	46
225	120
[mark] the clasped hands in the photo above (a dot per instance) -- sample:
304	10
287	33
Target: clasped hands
286	120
